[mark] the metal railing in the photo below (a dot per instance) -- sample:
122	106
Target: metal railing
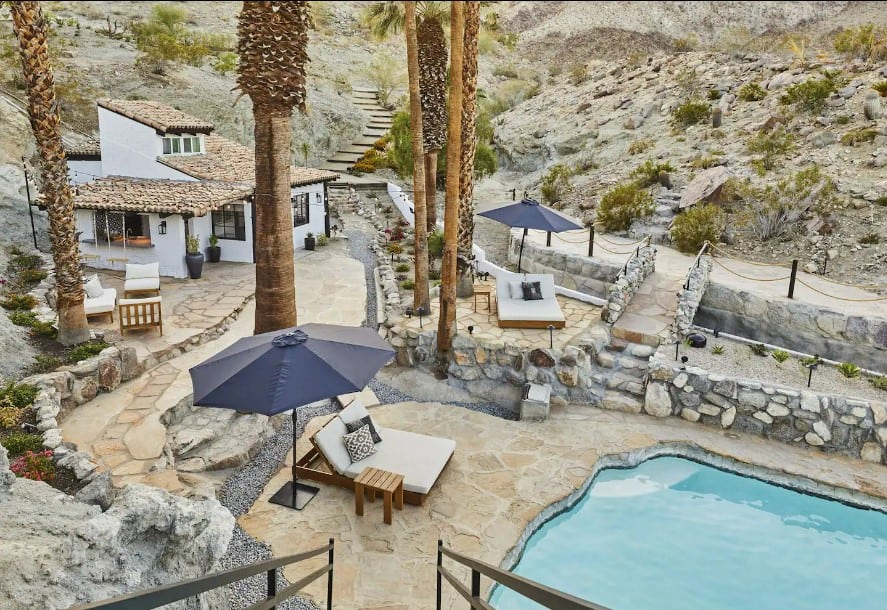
702	252
539	593
165	594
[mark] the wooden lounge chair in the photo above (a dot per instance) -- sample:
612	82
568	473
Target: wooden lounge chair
139	314
419	458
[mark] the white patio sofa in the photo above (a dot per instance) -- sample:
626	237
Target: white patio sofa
418	457
515	312
142	280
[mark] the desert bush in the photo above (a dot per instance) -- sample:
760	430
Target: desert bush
18	443
867	42
86	350
688	82
511	93
797	45
386	74
780	355
856	136
578	74
696	226
28	278
485	161
714	95
43	329
226	62
879	383
758	349
881	88
23	318
556	184
44	363
22	262
408	284
400	155
772	146
647	173
435	244
689	113
751	92
621	205
718	349
36	466
165	39
402	268
870	238
842	119
18	302
504	71
706	161
639	146
10	417
685	44
848	370
811	95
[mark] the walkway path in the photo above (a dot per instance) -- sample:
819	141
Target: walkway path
651	311
378	125
122	429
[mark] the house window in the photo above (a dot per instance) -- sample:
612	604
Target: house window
131	229
181	145
300	209
229	222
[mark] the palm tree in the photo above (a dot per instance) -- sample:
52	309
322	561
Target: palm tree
469	146
421	297
385	18
272	44
447	322
43	111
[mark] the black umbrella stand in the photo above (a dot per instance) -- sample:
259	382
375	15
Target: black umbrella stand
303	494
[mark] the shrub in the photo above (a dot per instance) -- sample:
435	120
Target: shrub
780	355
718	349
408	284
402	268
20	262
165	38
386	74
435	244
707	162
882	200
322	239
44	363
685	44
689	113
364	167
751	92
18	302
639	146
226	62
85	350
485	161
511	93
395	248
43	329
23	318
714	95
868	42
771	146
433	274
382	143
879	383
31	277
11	417
696	226
810	96
621	205
855	136
870	238
400	156
18	443
578	74
758	349
848	370
397	234
556	183
647	173
842	119
808	361
35	466
717	134
881	88
18	395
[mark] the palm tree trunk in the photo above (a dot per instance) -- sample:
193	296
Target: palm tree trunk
43	111
421	296
431	189
469	147
275	273
447	323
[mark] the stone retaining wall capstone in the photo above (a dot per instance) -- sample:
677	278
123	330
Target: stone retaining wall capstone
857	428
689	298
630	278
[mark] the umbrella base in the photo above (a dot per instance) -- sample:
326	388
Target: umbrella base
304	494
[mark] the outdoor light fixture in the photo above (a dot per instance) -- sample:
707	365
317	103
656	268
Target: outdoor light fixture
409	312
677	347
684	360
717	332
161	228
810	368
420	311
550	336
470	329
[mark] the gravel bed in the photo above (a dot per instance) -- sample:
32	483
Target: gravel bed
739	361
388	395
359	249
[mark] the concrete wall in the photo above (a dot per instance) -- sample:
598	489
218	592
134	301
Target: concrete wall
131	149
796	325
233	250
316	214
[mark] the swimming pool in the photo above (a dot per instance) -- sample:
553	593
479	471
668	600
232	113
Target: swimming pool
672	534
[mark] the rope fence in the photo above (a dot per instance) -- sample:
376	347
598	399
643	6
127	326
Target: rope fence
803	283
748	277
743	260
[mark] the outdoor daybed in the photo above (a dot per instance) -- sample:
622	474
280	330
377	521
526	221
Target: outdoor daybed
516	312
419	458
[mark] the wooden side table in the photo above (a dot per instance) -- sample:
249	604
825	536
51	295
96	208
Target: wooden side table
372	480
483	290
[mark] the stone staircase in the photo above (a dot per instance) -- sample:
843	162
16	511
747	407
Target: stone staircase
622	374
665	204
651	312
378	125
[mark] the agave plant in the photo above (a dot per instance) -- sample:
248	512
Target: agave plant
848	370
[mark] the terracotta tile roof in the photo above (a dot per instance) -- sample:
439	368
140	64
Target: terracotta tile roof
229	161
87	150
161	117
122	194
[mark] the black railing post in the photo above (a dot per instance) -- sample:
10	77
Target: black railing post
329	578
439	576
475	585
548	239
591	240
272	585
791	281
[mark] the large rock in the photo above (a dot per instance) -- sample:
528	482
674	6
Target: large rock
704	185
7	478
657	402
64	552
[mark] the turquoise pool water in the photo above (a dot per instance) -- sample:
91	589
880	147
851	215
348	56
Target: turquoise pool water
672	534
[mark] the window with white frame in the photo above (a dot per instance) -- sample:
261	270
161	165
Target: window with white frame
181	145
300	209
229	222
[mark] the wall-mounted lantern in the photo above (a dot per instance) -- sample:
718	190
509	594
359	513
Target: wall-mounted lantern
161	228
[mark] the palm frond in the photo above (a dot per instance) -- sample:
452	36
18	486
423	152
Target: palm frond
383	18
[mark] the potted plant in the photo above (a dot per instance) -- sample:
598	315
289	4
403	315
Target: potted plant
214	252
309	241
193	256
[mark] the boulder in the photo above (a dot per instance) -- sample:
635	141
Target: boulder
7	478
657	402
100	491
704	186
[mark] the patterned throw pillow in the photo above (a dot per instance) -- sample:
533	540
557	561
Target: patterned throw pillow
364	421
532	291
359	444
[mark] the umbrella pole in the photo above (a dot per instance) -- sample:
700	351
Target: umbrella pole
521	254
295	456
288	495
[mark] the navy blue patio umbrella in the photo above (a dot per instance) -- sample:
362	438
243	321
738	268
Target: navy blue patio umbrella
286	369
530	214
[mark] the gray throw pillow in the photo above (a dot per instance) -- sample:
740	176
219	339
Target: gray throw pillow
359	444
364	421
532	291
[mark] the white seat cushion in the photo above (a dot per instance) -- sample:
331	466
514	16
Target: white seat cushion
419	458
102	304
353	412
329	441
146	271
546	310
142	283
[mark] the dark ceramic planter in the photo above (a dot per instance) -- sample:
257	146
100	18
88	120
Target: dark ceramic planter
195	265
214	254
309	243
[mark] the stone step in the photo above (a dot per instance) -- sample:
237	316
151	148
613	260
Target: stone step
342	157
337	166
354	149
363	95
382	116
386	125
367	141
665	211
369	106
620	401
365	89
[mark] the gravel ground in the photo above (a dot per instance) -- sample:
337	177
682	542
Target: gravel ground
359	249
739	361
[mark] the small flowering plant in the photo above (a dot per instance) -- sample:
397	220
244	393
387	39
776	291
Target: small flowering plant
35	466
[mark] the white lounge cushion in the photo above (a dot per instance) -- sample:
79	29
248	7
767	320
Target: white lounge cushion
142	283
353	412
419	458
329	441
546	310
516	290
146	271
102	304
93	287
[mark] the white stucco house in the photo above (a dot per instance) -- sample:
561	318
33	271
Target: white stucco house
158	175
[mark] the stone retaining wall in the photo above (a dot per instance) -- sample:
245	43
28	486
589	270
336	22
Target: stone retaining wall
857	428
796	325
588	275
630	278
689	298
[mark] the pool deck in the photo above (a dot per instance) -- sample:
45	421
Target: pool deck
500	479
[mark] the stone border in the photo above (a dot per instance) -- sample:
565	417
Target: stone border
696	453
627	283
689	298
